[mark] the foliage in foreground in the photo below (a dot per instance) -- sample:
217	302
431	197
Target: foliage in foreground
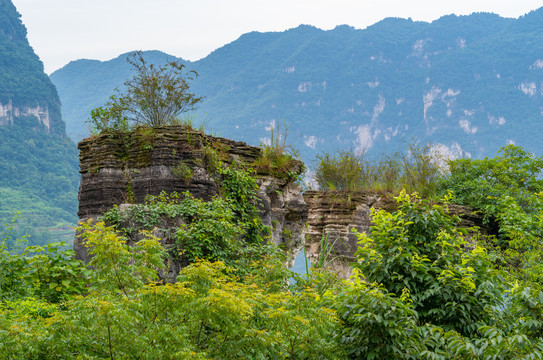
209	313
507	189
420	289
479	183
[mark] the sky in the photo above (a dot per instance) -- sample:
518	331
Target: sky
64	30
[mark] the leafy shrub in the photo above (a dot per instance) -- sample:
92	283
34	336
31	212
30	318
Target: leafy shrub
118	267
207	314
479	182
376	324
417	249
240	188
45	272
209	230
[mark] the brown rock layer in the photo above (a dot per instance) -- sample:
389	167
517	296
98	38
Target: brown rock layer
125	168
333	215
120	168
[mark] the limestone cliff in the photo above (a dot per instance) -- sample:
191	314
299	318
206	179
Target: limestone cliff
9	112
125	168
25	89
333	215
118	169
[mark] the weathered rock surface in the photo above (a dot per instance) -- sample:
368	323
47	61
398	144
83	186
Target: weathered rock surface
333	215
117	169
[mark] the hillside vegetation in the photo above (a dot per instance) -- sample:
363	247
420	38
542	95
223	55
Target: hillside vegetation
470	83
422	288
38	163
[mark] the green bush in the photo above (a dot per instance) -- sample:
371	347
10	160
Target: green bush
210	313
45	272
376	324
345	171
418	249
209	230
418	170
480	182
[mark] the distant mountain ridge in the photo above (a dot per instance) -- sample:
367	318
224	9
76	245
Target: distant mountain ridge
466	83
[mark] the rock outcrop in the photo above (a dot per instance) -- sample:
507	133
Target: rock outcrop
120	168
334	215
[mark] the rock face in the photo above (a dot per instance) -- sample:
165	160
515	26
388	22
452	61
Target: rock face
8	113
333	216
331	219
117	169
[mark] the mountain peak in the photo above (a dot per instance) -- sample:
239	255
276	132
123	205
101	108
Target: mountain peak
11	26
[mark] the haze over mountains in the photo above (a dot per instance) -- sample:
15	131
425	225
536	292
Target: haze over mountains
471	83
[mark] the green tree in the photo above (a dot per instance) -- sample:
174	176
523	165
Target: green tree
211	312
155	95
418	249
480	182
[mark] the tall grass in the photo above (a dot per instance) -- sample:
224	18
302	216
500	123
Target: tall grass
277	157
419	169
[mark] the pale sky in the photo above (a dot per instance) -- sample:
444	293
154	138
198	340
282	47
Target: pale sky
65	30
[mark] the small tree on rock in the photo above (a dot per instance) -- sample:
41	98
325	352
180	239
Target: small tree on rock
154	96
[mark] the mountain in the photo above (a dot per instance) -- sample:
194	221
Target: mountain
39	173
468	84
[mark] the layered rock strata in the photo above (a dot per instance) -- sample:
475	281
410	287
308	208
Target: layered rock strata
334	215
119	168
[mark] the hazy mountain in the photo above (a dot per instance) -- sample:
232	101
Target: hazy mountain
38	162
471	83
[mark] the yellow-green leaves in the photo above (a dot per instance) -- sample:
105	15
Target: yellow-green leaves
116	266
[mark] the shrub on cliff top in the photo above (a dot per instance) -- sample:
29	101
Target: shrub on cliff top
416	170
278	158
155	95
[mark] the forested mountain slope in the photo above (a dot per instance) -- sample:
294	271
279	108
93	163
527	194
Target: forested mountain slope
471	83
38	162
